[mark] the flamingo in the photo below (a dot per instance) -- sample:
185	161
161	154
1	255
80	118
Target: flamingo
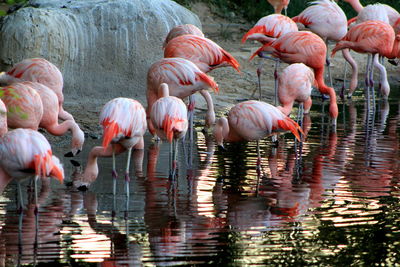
295	84
124	123
278	5
184	78
203	52
310	49
182	30
42	71
380	12
27	110
267	29
169	118
326	19
375	38
271	26
24	105
25	153
253	120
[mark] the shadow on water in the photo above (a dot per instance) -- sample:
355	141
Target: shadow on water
333	200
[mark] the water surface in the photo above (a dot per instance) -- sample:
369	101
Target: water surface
334	200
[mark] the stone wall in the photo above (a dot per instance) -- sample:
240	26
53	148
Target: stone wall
102	47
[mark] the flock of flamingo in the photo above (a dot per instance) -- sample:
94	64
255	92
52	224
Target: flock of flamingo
33	95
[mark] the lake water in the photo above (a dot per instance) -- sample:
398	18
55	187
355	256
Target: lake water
334	200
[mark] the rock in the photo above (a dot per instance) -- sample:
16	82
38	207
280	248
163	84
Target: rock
103	48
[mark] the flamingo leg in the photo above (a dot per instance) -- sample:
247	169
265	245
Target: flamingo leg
276	83
127	178
191	106
328	65
114	172
344	81
367	91
371	79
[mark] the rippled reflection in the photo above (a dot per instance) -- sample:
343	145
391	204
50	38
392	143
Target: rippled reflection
332	200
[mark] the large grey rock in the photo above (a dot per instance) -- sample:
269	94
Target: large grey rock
102	47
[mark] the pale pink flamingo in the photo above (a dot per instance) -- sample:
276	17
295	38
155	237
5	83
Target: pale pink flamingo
308	48
184	78
267	29
169	118
253	120
326	19
50	118
375	38
26	153
295	85
279	5
380	12
182	30
203	52
29	111
124	123
24	105
42	71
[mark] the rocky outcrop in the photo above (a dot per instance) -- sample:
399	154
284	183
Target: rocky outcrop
103	48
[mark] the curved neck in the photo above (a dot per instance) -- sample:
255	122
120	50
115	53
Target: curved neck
163	90
356	5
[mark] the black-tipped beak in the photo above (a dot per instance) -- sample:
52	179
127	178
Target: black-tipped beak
68	183
77	152
221	147
82	188
75	163
68	155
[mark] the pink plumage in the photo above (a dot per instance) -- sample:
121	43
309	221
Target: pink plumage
25	153
271	26
42	71
182	30
203	52
124	121
295	85
253	120
169	116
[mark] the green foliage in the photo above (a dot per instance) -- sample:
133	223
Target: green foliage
253	10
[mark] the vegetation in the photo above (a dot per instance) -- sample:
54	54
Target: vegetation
252	10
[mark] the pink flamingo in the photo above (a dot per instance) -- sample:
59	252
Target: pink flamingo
124	123
326	19
182	30
203	52
375	38
278	5
25	153
184	78
380	12
42	71
169	118
253	120
24	105
267	29
295	84
307	48
33	112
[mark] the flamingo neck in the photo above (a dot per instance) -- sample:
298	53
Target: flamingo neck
324	89
356	5
163	90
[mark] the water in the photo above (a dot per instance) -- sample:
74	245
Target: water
335	203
